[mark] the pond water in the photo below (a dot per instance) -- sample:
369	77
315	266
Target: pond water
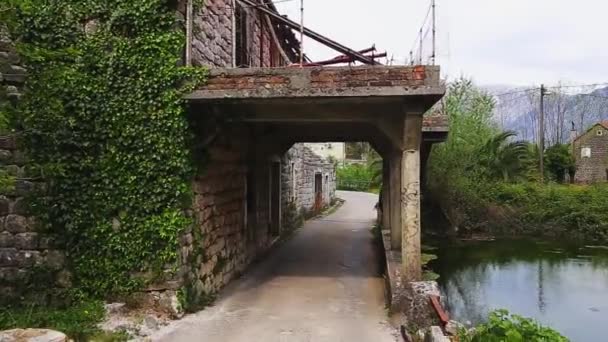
560	285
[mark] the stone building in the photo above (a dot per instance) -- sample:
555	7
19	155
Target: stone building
331	151
241	200
258	181
591	154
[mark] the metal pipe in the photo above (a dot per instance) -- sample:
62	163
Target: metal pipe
189	19
342	59
420	52
234	33
434	32
275	40
313	35
301	33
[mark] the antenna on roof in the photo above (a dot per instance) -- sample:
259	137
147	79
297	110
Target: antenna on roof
301	33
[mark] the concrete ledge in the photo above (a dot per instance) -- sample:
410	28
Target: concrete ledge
413	299
320	82
397	298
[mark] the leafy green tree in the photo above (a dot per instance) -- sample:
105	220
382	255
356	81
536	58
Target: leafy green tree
469	111
501	158
559	161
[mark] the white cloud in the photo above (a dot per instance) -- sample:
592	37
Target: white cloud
518	42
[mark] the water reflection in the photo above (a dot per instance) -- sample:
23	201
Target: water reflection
564	286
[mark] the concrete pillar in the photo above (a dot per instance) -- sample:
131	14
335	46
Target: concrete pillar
385	199
395	199
410	205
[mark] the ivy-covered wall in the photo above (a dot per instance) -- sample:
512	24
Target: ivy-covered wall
31	259
139	203
102	116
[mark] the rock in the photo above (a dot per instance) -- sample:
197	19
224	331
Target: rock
26	240
452	328
114	308
151	322
64	279
23	188
4	205
32	335
8	143
435	334
5	156
55	260
14	170
420	334
6	239
15	224
20	206
168	301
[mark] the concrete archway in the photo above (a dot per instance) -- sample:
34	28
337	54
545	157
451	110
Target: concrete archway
263	112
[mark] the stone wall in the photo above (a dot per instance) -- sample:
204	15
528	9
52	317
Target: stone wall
31	261
230	214
595	167
212	35
231	208
300	165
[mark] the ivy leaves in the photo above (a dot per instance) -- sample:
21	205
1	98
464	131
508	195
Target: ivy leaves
104	116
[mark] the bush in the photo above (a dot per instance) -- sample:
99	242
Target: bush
355	177
503	327
552	210
79	321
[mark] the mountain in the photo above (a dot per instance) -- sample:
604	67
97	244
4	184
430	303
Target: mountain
518	109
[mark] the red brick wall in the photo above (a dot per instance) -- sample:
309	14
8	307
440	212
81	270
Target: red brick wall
321	78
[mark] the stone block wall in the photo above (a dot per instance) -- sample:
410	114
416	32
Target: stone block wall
592	169
231	207
212	35
230	214
219	245
31	260
300	165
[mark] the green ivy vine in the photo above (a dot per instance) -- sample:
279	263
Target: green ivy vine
103	116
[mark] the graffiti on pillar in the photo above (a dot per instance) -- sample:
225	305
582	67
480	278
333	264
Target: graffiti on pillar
411	194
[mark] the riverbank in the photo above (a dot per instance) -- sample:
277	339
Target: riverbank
574	212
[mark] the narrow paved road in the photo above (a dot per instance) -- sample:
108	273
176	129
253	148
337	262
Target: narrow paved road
321	285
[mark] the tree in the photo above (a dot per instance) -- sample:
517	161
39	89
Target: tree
559	160
500	158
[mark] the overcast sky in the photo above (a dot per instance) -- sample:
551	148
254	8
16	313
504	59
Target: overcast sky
496	42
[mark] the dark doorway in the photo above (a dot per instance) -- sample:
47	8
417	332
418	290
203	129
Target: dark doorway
275	198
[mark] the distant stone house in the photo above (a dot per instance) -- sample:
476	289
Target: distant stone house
591	154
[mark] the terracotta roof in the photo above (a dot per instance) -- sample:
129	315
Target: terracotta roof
604	123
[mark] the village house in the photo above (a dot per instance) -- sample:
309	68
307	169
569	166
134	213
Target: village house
591	154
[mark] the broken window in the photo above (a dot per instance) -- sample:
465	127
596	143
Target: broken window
242	39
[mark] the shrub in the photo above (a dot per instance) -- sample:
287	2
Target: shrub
504	327
355	177
79	321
